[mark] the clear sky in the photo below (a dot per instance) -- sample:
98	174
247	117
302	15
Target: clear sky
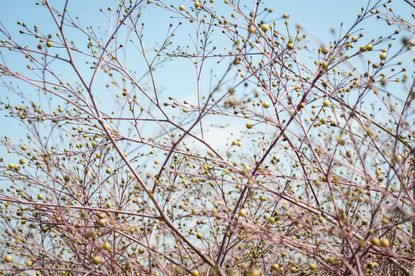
317	17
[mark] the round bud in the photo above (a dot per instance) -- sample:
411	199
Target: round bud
243	213
8	259
375	241
384	242
97	260
194	272
265	27
107	246
252	29
255	272
325	50
275	266
326	103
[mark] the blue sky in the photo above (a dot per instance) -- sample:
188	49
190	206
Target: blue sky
317	18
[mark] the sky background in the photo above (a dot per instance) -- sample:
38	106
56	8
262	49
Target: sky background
316	17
